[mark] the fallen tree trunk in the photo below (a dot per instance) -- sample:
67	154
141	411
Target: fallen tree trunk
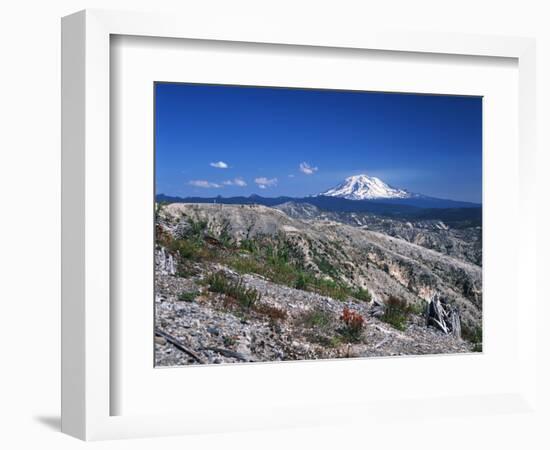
176	343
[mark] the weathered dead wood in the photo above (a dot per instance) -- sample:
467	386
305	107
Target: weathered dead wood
378	307
455	323
396	334
443	316
176	343
382	342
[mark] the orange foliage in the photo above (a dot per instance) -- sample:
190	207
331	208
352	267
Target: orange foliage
353	322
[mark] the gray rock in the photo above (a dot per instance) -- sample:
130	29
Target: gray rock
383	263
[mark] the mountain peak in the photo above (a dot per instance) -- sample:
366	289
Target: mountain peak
364	187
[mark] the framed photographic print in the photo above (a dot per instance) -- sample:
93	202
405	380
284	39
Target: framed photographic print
254	207
330	261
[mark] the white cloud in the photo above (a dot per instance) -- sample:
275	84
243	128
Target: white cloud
264	182
307	169
204	184
219	165
235	182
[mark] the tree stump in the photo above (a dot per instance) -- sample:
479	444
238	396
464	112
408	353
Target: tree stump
444	316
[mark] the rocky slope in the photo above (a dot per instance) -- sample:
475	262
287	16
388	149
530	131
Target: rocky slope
308	328
458	239
303	273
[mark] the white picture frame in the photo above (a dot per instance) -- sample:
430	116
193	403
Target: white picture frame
87	320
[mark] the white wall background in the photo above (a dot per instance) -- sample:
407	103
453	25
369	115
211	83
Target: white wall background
30	196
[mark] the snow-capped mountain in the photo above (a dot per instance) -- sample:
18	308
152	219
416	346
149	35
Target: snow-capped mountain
358	193
363	187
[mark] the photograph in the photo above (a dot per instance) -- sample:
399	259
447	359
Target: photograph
314	224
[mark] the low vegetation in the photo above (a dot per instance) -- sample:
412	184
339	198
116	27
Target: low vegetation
320	327
323	286
238	288
278	261
418	309
236	293
197	229
362	294
396	312
283	265
473	335
221	283
273	257
188	296
353	324
271	312
316	318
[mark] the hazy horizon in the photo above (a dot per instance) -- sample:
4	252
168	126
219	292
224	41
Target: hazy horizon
261	194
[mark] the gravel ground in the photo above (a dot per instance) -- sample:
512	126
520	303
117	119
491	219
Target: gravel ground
213	331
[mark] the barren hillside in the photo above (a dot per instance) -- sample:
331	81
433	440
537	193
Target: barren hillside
251	283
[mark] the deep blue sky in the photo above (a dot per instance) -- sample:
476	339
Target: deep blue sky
426	144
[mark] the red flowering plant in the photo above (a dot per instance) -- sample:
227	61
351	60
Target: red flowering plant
353	324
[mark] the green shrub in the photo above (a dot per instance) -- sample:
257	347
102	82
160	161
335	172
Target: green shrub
396	312
361	294
301	282
198	228
186	249
316	318
281	262
281	274
326	267
185	270
245	265
330	288
418	309
474	335
220	283
224	236
248	245
478	347
230	341
277	255
188	296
